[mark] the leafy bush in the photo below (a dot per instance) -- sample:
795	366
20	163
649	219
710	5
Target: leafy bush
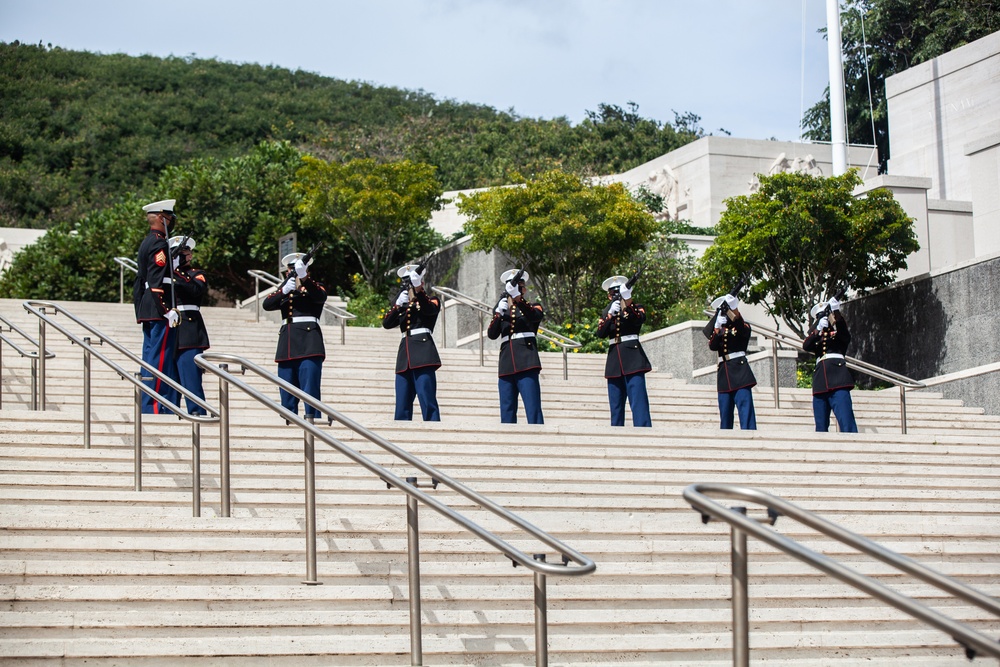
369	305
583	332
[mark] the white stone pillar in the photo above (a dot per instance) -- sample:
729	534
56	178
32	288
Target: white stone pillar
911	193
984	166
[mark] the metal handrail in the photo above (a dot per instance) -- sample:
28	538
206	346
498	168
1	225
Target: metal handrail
409	486
780	338
338	312
33	355
124	263
37	308
966	374
563	342
741	525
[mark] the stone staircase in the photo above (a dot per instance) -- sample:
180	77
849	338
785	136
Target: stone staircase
95	573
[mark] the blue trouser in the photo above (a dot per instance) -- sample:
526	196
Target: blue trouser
306	374
840	402
634	387
742	401
526	385
159	346
190	375
418	382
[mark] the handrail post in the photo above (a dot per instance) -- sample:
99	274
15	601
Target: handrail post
565	362
482	357
413	558
310	469
774	364
343	330
224	441
86	394
41	361
138	435
902	408
121	283
1	370
541	618
34	382
256	295
741	614
195	469
444	323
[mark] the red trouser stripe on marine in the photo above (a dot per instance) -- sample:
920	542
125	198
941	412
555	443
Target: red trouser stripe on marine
159	367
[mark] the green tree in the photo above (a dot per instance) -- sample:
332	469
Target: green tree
236	209
802	238
378	209
566	232
74	261
612	140
898	34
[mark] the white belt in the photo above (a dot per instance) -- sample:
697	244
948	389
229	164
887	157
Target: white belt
830	356
166	281
734	355
625	338
523	334
414	332
302	318
188	307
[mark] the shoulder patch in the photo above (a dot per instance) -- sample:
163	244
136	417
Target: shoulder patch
200	277
160	258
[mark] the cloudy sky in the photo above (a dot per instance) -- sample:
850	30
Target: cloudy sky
747	66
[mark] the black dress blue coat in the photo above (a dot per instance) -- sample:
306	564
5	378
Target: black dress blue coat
830	374
518	354
299	340
418	350
625	358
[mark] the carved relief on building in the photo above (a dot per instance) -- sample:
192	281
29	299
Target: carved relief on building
798	165
664	182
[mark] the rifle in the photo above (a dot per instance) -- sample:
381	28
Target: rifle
514	280
173	255
839	296
635	278
405	284
177	249
306	258
735	291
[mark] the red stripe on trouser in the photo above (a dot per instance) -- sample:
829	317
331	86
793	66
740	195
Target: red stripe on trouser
159	367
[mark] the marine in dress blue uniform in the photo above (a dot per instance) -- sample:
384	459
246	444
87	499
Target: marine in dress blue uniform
832	380
417	360
627	362
728	334
190	286
301	350
515	322
151	296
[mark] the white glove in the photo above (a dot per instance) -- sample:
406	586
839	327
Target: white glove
403	298
625	291
501	307
616	307
513	290
173	319
834	304
720	321
823	323
175	262
416	279
300	268
289	285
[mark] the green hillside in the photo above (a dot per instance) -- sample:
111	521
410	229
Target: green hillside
80	130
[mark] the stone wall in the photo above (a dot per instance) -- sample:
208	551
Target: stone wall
930	325
936	108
